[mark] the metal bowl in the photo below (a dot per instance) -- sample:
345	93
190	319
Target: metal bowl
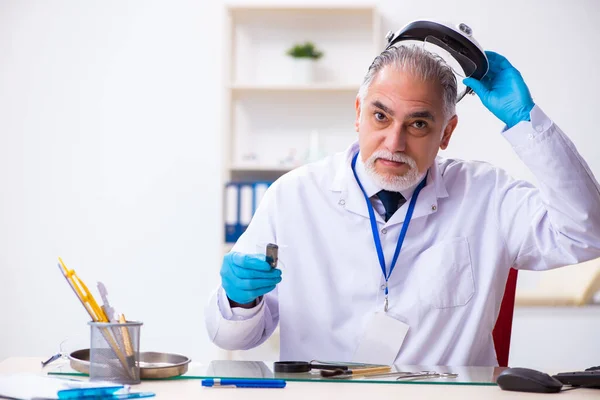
153	365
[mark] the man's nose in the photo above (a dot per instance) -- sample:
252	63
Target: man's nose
395	140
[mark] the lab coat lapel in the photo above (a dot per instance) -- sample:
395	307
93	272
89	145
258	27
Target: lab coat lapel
350	195
353	200
427	202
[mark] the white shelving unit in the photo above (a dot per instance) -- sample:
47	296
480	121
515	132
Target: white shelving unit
270	117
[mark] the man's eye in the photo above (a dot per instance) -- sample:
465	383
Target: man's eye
380	116
420	124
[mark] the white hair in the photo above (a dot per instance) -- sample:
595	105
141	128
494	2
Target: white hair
420	63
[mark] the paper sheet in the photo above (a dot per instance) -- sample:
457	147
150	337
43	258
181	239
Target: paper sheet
28	386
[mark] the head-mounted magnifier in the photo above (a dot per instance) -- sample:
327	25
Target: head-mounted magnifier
455	45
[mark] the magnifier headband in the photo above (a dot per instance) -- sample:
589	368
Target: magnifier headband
457	42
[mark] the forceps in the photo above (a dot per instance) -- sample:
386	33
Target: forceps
425	375
413	375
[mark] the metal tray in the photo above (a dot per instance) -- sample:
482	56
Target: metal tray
152	365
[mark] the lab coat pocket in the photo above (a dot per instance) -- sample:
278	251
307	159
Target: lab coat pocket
445	274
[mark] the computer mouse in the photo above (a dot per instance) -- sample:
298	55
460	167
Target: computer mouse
527	380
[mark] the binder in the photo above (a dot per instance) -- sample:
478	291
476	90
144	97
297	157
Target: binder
241	201
260	188
246	206
231	212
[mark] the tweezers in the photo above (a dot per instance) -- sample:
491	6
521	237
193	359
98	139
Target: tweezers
412	375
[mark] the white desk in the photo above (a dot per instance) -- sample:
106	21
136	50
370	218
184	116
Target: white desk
192	389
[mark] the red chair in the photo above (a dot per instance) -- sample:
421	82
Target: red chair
502	329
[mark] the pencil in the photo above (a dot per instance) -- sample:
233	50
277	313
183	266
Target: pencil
126	337
128	346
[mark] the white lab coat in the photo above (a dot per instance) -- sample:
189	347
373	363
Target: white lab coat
471	223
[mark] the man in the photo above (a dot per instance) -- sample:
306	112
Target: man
457	226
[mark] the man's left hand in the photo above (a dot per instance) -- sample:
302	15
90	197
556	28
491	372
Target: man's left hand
503	91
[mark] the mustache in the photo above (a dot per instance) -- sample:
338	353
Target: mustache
396	157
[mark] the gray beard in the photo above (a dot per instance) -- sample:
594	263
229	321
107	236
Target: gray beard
393	183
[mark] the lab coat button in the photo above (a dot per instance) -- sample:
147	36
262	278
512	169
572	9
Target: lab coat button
384	231
539	128
342	202
382	287
433	207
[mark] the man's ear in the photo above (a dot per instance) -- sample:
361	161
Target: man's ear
448	132
357	120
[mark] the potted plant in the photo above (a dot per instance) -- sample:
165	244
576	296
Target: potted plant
304	55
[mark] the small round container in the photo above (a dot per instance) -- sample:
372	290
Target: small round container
153	365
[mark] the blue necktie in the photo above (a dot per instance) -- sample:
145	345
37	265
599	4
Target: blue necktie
391	202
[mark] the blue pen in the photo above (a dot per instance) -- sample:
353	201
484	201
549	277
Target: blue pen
245	383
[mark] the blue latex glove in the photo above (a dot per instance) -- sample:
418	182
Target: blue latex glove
503	91
246	277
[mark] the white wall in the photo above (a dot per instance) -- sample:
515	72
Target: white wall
110	136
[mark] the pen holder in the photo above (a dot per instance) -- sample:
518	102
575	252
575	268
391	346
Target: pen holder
115	352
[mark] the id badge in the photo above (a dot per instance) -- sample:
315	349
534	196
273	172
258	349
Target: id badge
381	341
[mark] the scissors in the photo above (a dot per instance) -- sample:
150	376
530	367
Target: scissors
56	356
83	293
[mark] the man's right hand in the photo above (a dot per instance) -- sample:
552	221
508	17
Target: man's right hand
246	277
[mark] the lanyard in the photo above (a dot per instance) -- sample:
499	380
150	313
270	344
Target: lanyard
376	239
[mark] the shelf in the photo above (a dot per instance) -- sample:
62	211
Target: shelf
249	173
303	8
261	36
264	168
295	88
574	285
